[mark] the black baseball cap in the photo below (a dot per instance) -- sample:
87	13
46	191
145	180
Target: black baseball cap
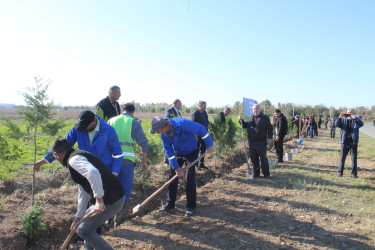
84	119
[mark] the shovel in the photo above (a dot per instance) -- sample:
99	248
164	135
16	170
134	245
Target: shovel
136	208
248	171
66	242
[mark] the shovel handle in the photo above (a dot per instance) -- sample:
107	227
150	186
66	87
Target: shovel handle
66	242
167	184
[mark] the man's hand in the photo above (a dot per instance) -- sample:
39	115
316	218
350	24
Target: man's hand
38	164
211	149
99	205
342	115
239	117
277	138
73	227
179	172
144	167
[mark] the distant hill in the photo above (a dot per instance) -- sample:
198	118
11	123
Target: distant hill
5	105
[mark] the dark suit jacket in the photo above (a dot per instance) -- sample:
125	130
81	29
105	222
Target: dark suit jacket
171	113
196	117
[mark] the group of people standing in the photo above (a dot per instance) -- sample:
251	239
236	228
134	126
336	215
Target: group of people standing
103	166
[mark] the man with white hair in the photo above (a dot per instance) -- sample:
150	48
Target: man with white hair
260	133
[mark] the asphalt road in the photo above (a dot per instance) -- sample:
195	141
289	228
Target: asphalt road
368	129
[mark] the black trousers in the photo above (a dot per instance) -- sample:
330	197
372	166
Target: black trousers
298	132
258	150
315	130
191	189
345	148
279	148
202	149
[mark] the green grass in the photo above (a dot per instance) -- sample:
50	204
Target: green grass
366	146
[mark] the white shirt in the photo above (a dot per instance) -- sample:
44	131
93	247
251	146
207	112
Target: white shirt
92	174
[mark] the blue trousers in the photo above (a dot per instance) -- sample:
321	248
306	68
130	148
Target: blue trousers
126	177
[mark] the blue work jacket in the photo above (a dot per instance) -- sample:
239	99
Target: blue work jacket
343	123
105	145
183	142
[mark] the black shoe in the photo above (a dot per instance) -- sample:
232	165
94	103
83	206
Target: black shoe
190	212
339	175
354	176
267	177
166	208
256	176
202	166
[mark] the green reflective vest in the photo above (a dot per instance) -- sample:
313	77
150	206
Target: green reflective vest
123	126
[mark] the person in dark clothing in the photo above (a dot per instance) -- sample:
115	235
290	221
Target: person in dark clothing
299	123
223	114
333	128
349	137
319	122
313	127
259	132
326	122
95	180
173	112
307	125
281	128
200	116
109	107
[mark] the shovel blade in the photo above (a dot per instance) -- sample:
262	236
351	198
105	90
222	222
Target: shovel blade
136	208
249	173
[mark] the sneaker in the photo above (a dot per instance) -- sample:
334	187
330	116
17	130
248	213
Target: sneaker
167	209
190	212
339	175
354	176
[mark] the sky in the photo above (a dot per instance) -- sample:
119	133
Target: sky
302	52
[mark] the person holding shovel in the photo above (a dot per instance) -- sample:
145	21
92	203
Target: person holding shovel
94	179
260	132
180	145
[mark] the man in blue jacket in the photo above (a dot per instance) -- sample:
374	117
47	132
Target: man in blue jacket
93	135
173	112
180	145
349	138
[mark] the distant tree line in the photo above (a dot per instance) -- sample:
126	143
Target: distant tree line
237	108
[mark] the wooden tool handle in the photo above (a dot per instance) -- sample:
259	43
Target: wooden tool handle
170	181
66	242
